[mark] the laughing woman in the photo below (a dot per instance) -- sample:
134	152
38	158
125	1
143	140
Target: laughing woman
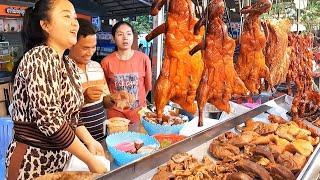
47	97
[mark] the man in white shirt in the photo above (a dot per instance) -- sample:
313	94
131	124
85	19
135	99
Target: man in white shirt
94	85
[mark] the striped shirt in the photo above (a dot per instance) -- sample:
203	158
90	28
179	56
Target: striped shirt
92	118
93	115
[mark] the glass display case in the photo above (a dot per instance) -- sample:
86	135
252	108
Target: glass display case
6	60
4	48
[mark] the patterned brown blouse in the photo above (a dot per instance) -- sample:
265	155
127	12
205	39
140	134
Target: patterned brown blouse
47	99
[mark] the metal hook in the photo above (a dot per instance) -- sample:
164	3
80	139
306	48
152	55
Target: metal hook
198	9
227	12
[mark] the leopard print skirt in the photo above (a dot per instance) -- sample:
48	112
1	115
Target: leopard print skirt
37	162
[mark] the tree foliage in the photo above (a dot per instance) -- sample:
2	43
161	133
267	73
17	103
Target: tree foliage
310	16
141	24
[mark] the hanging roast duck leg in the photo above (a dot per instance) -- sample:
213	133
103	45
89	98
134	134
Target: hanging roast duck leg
156	6
219	80
251	65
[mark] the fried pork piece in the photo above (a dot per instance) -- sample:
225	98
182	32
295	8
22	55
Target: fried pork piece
290	130
301	146
260	127
263	161
279	172
293	162
267	128
253	169
312	140
223	168
182	172
223	151
247	149
226	136
303	134
180	157
184	166
262	139
282	132
276	119
293	128
239	176
301	124
170	119
299	159
263	151
163	175
172	166
244	139
152	117
123	99
230	135
277	149
251	125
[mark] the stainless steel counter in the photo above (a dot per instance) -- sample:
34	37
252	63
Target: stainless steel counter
312	168
198	144
147	163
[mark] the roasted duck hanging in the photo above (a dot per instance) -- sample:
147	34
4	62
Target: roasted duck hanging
180	74
251	65
219	79
306	102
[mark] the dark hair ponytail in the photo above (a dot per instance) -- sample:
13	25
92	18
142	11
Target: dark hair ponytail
116	26
32	34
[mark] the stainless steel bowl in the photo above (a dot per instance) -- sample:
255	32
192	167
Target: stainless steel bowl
212	114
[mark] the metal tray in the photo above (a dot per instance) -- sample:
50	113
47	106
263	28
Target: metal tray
146	166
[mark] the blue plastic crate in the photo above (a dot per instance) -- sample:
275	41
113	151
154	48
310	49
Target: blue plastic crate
122	158
2	169
6	130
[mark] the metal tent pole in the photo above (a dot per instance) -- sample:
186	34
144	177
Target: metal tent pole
145	2
241	17
157	47
298	14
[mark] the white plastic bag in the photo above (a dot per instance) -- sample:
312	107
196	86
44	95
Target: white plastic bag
75	164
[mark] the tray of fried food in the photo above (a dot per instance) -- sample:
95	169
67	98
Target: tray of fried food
279	149
276	150
186	166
